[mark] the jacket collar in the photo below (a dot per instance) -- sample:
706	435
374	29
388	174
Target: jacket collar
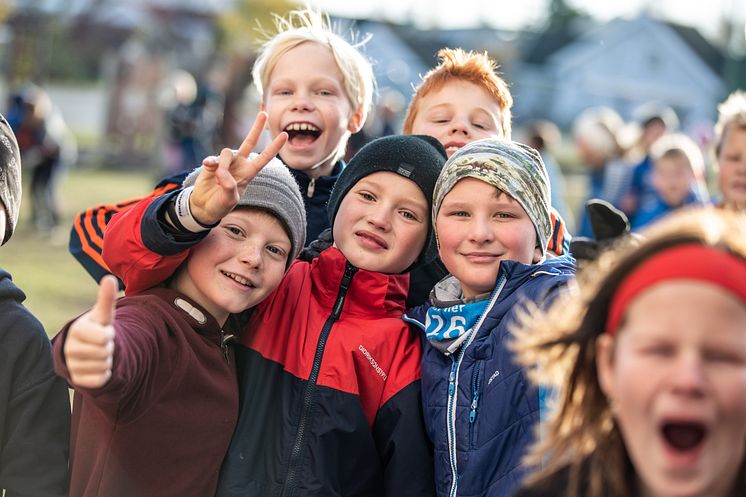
370	293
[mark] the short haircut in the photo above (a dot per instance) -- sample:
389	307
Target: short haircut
459	65
678	145
730	112
303	26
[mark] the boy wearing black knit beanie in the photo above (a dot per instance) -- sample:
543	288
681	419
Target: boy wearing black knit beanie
329	374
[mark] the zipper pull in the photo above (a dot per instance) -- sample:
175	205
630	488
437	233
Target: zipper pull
474	404
452	380
224	341
311	188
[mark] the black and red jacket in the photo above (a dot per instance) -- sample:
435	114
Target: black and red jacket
329	376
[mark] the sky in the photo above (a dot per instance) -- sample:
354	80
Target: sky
511	14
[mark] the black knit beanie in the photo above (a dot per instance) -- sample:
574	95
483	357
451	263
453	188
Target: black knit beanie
416	157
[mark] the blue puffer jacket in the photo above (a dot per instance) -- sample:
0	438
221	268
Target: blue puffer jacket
480	408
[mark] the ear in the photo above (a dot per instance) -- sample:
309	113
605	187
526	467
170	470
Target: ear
356	121
537	255
605	364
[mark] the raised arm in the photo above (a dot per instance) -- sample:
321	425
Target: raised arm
144	245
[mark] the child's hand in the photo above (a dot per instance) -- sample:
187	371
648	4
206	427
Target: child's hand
223	179
89	348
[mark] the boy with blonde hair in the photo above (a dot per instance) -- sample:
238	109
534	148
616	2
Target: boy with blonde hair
730	151
316	87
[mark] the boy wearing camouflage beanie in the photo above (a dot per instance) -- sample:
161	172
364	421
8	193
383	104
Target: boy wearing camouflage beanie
492	221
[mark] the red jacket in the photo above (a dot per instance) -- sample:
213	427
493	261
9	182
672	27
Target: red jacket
329	376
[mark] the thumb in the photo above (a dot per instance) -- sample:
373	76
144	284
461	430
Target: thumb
103	311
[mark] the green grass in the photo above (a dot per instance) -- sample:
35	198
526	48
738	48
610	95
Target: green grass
56	286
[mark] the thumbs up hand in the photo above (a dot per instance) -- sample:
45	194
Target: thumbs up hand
89	347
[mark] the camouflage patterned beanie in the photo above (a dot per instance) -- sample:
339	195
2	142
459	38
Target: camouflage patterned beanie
511	167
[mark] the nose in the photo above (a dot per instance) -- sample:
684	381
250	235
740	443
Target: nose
379	217
251	255
460	125
481	230
688	376
302	102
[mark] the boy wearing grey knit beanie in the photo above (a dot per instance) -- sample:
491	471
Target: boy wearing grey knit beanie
156	379
492	221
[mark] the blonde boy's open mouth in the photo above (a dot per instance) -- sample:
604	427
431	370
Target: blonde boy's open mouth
302	134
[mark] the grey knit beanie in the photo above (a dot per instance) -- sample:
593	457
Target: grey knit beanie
10	178
274	190
511	167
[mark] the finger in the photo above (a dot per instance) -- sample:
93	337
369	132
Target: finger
210	162
271	151
81	350
91	380
223	173
249	143
79	367
103	311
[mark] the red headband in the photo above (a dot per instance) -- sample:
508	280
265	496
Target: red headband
683	262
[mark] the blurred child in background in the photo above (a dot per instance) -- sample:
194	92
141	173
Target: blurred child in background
730	150
677	178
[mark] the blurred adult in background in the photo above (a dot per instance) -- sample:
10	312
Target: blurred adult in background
34	403
596	132
192	115
545	136
47	146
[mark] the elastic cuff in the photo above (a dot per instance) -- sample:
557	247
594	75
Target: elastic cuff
182	216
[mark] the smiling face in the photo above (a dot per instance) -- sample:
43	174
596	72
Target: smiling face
478	226
458	113
305	96
732	165
237	265
382	223
677	375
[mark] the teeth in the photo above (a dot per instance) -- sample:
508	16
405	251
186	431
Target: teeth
238	278
301	127
452	148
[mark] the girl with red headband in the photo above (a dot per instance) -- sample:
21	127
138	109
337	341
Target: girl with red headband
648	356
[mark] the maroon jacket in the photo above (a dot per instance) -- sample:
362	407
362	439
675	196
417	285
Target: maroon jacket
161	426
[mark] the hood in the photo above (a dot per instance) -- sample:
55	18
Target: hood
8	289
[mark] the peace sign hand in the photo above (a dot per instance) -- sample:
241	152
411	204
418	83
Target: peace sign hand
223	179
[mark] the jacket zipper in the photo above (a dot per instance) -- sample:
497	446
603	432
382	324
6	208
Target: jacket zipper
311	188
308	392
453	389
475	384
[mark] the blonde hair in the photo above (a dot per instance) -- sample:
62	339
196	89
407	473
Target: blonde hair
730	112
307	25
459	65
558	346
